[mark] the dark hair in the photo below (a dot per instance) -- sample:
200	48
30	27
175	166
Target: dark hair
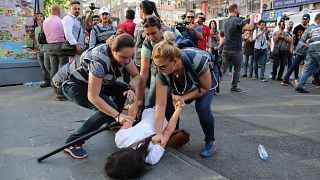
130	14
191	11
151	21
233	7
95	16
74	2
261	21
127	163
215	23
122	41
149	7
317	17
221	33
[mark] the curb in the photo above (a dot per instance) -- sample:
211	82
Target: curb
186	159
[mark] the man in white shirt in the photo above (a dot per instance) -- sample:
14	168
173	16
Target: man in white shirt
260	50
72	28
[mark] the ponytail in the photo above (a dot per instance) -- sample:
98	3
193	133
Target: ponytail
166	49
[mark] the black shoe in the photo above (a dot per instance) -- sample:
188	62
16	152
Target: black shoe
45	84
301	90
279	79
237	90
245	75
60	98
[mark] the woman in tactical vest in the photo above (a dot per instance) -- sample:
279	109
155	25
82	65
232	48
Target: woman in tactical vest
187	72
91	82
102	31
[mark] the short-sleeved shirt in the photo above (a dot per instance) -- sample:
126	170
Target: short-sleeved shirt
200	63
191	35
261	42
202	44
281	43
125	137
233	33
298	31
98	61
312	33
128	26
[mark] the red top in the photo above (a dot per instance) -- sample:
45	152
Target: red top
128	26
202	44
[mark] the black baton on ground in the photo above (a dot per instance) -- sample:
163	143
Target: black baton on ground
76	141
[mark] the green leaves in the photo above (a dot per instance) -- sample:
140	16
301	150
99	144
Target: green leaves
62	3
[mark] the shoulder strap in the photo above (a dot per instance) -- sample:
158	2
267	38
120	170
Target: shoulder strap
189	68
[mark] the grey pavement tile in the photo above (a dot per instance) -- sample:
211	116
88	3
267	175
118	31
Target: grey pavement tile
50	169
12	172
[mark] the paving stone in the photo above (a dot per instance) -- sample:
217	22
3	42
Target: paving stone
12	172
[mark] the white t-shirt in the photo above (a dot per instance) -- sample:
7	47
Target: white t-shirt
145	128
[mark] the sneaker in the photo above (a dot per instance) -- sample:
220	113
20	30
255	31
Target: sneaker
244	75
209	149
230	74
270	76
263	80
301	90
237	90
285	83
76	151
45	84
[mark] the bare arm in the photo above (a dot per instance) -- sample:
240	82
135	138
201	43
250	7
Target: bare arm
94	89
250	26
88	24
144	73
161	103
134	83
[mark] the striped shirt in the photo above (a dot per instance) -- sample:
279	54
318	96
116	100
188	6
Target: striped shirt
200	63
98	62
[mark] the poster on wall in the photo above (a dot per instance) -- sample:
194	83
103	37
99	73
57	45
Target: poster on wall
16	31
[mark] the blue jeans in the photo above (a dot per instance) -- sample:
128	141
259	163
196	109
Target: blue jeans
248	64
313	60
203	108
260	57
294	67
76	92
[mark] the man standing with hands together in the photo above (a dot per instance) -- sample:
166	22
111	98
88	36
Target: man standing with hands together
232	49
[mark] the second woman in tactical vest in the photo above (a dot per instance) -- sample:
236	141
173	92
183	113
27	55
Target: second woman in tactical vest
102	31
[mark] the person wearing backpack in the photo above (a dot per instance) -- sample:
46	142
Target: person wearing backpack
188	73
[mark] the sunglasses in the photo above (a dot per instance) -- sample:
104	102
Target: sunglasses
190	17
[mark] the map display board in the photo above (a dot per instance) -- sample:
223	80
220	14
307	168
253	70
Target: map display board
16	31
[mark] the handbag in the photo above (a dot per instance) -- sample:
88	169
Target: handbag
277	49
178	138
67	48
42	38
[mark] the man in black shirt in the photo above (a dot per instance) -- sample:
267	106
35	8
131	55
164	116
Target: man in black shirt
299	57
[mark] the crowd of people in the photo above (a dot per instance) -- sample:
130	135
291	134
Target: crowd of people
163	69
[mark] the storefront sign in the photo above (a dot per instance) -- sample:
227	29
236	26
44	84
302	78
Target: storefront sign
16	31
287	3
274	14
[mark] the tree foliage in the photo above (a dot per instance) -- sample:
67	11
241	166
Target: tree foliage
47	3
